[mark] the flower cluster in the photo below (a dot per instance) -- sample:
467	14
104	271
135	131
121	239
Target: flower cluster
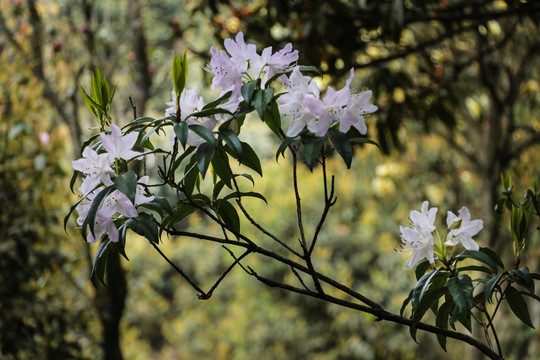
419	239
306	109
241	62
97	169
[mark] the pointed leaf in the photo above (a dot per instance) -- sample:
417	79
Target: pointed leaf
261	99
250	158
237	195
127	184
480	256
343	145
203	132
518	305
228	215
94	208
204	155
181	131
272	118
247	91
100	262
144	225
441	321
461	289
232	140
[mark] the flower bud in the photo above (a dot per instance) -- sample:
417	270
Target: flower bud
456	224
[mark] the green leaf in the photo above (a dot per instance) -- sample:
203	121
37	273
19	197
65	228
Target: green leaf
441	321
100	262
421	269
283	146
236	195
94	208
179	73
493	256
490	285
209	112
121	244
480	256
261	99
518	305
475	268
181	131
524	278
250	158
218	101
203	132
144	225
421	287
342	144
180	212
127	184
221	168
191	177
158	204
204	155
312	149
232	140
362	140
73	179
461	289
406	302
228	214
272	118
248	89
428	300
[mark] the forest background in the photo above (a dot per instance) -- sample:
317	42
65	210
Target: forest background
457	86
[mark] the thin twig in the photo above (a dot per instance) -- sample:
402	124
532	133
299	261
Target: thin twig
299	278
208	295
329	201
260	250
179	271
490	324
382	314
264	231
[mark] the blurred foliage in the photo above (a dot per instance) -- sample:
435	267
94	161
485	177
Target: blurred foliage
464	70
45	311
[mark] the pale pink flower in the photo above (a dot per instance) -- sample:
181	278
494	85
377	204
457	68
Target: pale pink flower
120	146
96	167
465	230
419	238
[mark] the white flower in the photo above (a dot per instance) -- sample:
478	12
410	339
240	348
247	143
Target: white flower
419	238
424	220
140	198
190	102
96	167
293	104
464	233
118	146
420	242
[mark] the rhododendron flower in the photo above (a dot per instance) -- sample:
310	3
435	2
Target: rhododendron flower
118	146
140	197
119	203
103	225
293	103
190	102
462	229
419	238
305	108
96	167
240	63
